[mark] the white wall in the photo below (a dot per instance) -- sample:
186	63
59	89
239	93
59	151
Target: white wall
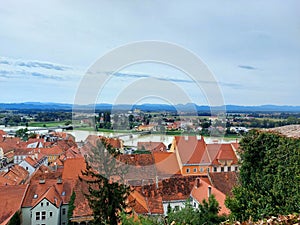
27	167
173	204
49	220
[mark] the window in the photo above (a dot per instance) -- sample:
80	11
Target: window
208	170
228	168
222	169
215	169
195	204
188	170
176	207
201	169
42	204
37	216
195	170
63	211
43	215
47	203
236	168
26	167
50	214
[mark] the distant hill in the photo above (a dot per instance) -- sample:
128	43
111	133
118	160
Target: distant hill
190	107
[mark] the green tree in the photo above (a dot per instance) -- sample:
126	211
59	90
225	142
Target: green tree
269	177
185	215
107	194
71	207
208	212
15	220
22	133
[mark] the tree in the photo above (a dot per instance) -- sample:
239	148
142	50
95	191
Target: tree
269	177
15	220
71	206
22	133
107	193
208	212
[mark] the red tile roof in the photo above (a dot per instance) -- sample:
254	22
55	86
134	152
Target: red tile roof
10	201
201	192
152	146
140	167
73	167
225	152
192	150
51	195
56	191
166	164
224	181
82	208
54	150
16	174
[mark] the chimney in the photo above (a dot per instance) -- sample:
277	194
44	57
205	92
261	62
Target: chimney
198	182
209	191
198	137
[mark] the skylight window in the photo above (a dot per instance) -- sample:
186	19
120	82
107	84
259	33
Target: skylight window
35	196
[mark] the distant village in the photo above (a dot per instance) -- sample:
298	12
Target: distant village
38	176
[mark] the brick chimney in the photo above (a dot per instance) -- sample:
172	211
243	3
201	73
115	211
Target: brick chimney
198	182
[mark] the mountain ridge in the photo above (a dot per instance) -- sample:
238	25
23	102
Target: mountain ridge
148	107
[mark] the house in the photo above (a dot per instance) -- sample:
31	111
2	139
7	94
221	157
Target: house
32	163
192	155
152	146
223	181
14	176
11	198
52	152
166	164
202	190
223	157
46	201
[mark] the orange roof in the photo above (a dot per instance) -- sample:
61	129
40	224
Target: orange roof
82	208
54	150
140	166
140	204
16	174
11	198
225	152
166	164
73	167
56	193
224	181
4	181
152	146
31	161
192	150
52	196
201	192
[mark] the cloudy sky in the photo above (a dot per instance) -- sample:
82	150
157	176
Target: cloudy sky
251	47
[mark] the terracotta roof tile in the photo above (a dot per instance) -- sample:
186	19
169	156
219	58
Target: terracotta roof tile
17	174
10	200
192	150
73	167
152	146
166	164
200	192
225	152
224	181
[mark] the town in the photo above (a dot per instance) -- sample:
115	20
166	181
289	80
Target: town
41	169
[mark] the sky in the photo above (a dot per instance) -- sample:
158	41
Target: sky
252	49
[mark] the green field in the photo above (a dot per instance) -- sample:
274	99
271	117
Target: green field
46	124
